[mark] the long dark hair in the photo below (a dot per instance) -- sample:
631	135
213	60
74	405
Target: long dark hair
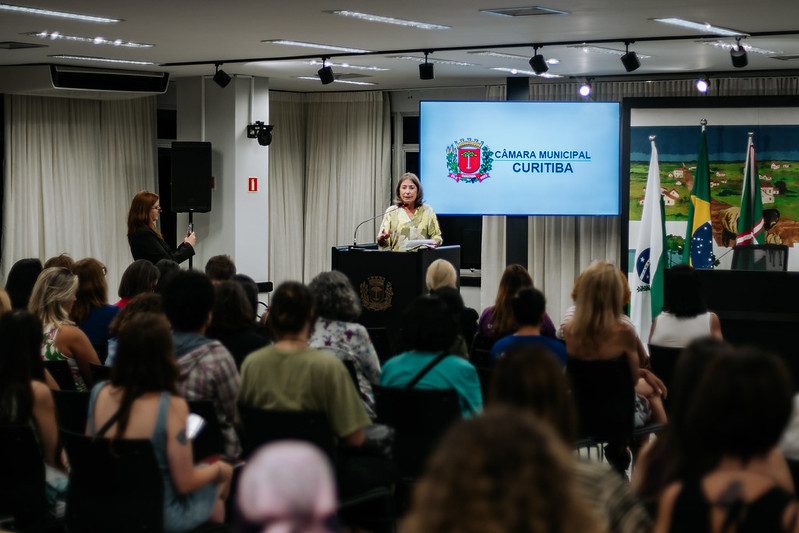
145	362
20	346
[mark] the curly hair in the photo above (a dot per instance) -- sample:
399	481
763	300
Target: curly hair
334	298
504	471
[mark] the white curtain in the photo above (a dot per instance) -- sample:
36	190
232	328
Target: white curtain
71	169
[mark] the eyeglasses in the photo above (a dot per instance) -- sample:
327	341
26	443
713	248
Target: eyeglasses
157	207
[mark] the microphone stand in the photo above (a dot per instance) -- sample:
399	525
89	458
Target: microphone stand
354	239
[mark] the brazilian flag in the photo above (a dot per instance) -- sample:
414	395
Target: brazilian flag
698	249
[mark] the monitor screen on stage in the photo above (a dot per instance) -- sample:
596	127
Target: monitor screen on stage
520	158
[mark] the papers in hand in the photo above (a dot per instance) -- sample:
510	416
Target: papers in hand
417	244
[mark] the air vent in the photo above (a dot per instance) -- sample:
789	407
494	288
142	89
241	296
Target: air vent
524	11
78	82
16	45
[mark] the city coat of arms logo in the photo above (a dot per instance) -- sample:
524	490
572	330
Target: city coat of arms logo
376	293
469	161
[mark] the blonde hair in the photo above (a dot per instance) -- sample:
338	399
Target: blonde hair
441	273
54	287
5	302
600	299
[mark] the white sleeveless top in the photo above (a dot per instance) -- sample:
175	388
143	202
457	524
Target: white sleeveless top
678	332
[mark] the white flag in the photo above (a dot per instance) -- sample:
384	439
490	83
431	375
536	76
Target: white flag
646	278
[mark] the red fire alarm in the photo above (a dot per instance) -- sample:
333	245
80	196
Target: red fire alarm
252	185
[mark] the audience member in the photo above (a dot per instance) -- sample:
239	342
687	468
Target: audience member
250	289
142	402
685	316
140	276
51	301
146	302
220	268
527	377
658	461
233	321
336	331
287	486
5	302
441	273
529	309
502	472
497	321
465	319
20	281
207	370
62	260
91	311
428	331
733	476
166	267
290	375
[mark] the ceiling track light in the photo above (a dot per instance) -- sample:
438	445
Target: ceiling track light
537	62
585	88
325	73
630	59
702	85
221	77
738	54
426	69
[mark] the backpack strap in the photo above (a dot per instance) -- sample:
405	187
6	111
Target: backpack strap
412	383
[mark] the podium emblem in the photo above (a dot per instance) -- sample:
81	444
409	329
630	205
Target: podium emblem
376	293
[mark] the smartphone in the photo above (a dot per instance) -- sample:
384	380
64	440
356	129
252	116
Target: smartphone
194	424
190	229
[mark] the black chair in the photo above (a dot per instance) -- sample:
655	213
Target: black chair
22	490
480	351
663	360
101	348
71	408
419	417
99	373
372	509
115	485
773	257
62	374
210	440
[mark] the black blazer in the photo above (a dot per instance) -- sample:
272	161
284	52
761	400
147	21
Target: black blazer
145	244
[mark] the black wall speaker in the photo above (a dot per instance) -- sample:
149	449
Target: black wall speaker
191	177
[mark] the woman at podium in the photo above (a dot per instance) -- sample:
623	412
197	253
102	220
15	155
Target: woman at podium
409	223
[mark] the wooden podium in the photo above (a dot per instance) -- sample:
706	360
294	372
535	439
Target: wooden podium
386	283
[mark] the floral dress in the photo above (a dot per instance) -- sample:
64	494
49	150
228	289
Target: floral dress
51	353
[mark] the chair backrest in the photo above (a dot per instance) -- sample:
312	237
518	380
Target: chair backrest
62	374
71	408
760	257
260	426
22	485
420	417
480	351
664	360
604	397
114	485
99	372
210	440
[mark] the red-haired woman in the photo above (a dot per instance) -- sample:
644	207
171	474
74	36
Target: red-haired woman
146	242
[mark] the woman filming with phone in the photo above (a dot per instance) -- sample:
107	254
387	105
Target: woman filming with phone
146	242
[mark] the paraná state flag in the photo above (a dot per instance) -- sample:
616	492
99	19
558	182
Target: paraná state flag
646	279
750	221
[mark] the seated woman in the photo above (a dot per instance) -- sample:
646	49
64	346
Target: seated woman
497	321
233	321
142	402
336	331
23	398
733	478
685	316
428	331
51	301
91	311
504	471
20	281
141	276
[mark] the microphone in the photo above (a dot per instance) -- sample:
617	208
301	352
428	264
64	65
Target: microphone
387	211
